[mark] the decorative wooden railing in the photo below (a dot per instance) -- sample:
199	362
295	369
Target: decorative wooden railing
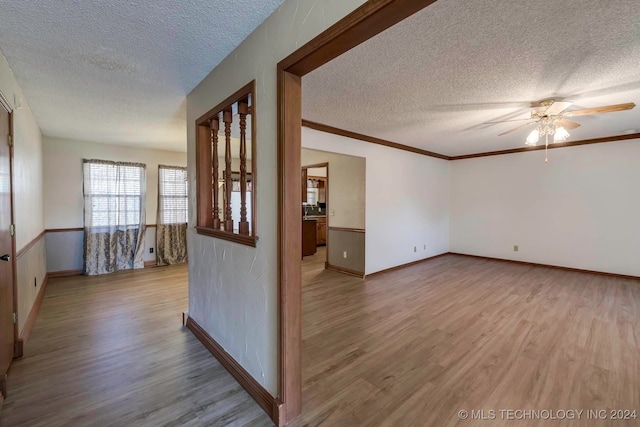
231	116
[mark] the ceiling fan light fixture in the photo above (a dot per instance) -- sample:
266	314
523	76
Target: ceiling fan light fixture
533	137
560	135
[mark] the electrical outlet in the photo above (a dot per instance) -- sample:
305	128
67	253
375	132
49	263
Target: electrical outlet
150	250
515	248
344	254
332	212
415	249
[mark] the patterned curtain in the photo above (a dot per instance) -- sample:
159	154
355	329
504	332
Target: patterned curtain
114	216
171	231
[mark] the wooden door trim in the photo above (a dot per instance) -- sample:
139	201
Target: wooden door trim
4	103
371	139
367	21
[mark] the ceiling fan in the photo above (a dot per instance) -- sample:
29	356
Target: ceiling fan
551	119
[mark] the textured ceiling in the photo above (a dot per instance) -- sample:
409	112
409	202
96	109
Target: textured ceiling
433	80
118	71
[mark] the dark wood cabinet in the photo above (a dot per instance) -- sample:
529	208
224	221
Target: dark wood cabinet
321	231
309	237
304	186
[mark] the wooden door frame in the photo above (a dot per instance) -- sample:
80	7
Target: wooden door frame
4	103
368	20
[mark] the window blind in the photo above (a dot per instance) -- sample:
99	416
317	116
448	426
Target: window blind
172	195
113	193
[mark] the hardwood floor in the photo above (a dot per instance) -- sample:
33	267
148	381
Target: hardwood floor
413	347
111	351
410	347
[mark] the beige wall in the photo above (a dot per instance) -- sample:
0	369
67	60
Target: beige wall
407	198
347	176
580	210
233	288
63	199
28	193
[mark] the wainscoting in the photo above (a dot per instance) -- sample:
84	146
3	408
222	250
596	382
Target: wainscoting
65	249
31	274
351	241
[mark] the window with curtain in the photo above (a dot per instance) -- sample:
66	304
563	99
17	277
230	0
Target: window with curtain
171	231
114	216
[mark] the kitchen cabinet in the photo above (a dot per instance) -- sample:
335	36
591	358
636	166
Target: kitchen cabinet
309	237
321	231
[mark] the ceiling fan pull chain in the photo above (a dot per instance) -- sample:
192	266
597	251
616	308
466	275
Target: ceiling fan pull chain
546	148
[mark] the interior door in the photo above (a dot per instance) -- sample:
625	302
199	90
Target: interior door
6	251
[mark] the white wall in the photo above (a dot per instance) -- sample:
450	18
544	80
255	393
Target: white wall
347	178
64	203
581	210
28	194
233	288
407	199
27	162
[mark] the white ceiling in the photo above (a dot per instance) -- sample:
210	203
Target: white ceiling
433	80
118	71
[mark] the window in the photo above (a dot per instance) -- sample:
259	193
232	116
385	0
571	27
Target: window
312	196
225	169
113	194
172	195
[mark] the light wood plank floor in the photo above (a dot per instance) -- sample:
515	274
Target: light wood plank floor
406	348
111	351
414	346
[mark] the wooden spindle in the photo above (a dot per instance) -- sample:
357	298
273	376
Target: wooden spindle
215	127
243	110
227	117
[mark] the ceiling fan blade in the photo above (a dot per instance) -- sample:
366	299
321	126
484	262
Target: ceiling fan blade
558	107
517	128
600	110
568	124
505	121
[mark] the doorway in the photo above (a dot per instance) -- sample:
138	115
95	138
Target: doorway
370	19
315	205
7	247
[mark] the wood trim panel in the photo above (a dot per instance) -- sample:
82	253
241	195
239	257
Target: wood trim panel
231	237
366	138
358	274
205	220
556	267
317	165
342	132
66	230
248	88
551	146
351	230
289	246
255	390
31	319
409	264
29	245
367	21
63	230
65	273
151	264
14	259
